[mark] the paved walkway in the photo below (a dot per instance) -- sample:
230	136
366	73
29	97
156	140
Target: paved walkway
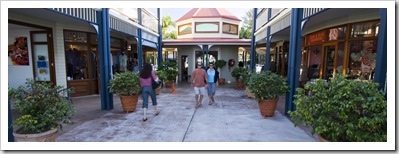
234	118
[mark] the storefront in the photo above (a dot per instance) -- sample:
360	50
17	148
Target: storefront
348	49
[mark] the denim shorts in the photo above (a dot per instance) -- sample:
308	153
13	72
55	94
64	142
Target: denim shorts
211	89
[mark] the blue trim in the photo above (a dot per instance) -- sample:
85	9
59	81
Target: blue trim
149	44
294	57
381	61
253	53
10	129
160	36
104	53
74	16
140	41
268	39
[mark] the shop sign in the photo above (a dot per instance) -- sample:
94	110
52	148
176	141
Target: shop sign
315	38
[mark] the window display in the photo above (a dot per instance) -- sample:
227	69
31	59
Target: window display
362	59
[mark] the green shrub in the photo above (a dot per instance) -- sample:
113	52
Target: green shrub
41	106
343	110
220	63
267	85
238	71
125	84
169	70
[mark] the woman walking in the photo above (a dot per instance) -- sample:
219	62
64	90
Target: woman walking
146	76
213	76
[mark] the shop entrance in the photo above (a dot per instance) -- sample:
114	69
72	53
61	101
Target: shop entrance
329	59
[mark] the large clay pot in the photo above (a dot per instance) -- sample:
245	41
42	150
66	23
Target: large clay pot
129	103
221	81
267	107
239	84
168	83
158	90
321	139
48	136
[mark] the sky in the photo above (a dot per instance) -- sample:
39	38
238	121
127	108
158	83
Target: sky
176	13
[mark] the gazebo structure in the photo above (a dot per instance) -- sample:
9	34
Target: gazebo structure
206	35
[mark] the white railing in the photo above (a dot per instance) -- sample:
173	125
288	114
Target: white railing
311	11
261	19
150	20
88	14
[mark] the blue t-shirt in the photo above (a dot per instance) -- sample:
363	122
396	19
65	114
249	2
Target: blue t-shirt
211	75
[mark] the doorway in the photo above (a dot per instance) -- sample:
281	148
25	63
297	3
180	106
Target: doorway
184	68
329	59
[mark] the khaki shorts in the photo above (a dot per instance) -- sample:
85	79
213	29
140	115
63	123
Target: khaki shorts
200	90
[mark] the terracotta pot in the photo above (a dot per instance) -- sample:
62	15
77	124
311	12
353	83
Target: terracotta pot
158	90
267	107
239	84
168	83
129	103
321	139
249	93
48	136
221	81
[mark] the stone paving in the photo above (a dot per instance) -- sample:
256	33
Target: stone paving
234	118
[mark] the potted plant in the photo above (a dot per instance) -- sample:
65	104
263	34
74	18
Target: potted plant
236	73
161	75
245	79
267	87
342	110
127	85
219	65
169	68
42	109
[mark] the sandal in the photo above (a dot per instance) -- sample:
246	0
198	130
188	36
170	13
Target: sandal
158	111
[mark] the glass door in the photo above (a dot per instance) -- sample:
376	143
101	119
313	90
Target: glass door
329	59
43	60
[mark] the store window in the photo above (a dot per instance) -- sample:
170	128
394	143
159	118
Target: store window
362	59
337	33
76	55
230	28
76	37
369	29
207	27
185	29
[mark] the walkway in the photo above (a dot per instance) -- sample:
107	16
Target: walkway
234	118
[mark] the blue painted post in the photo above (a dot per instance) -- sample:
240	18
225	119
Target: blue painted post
160	36
267	59
10	130
253	52
105	59
140	41
207	56
294	57
381	61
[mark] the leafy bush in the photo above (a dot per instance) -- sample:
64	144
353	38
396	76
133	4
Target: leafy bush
125	84
245	77
41	106
220	63
238	71
267	85
343	110
169	70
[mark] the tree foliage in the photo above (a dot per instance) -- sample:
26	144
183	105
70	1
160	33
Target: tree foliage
246	29
167	24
